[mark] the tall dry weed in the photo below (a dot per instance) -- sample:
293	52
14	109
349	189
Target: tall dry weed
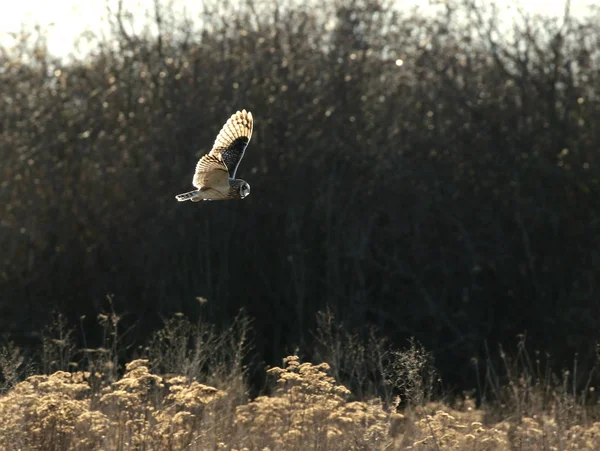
51	413
194	397
309	410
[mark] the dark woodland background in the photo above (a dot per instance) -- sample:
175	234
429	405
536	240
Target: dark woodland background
453	198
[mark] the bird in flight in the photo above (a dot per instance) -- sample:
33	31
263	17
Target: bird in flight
215	172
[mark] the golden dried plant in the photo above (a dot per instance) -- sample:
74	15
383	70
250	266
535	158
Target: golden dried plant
309	409
51	413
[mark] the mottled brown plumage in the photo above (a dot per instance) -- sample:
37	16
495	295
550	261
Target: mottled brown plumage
215	172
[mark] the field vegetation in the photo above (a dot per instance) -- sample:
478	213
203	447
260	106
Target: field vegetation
189	390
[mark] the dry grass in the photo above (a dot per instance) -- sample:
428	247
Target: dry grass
191	393
310	410
307	409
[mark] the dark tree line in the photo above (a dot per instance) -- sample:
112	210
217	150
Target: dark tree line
453	198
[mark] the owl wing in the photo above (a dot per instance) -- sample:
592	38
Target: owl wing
233	139
211	172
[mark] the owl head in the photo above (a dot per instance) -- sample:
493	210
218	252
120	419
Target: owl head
244	189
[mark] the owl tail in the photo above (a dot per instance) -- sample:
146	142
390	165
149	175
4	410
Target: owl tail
194	196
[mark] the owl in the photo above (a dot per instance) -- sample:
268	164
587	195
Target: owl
215	172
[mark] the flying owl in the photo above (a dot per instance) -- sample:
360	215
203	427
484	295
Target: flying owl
215	172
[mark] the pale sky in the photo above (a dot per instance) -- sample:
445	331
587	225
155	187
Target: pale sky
71	18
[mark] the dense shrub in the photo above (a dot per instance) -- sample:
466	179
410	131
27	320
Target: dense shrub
453	197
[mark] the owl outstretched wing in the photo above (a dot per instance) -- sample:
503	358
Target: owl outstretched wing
233	139
211	172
